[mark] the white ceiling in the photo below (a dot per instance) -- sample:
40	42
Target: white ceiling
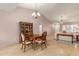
52	11
8	6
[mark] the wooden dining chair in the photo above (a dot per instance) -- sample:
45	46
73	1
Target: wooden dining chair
42	40
24	42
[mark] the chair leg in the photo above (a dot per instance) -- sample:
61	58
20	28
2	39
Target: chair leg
24	47
41	46
45	45
33	46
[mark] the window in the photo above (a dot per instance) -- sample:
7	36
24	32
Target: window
40	29
70	28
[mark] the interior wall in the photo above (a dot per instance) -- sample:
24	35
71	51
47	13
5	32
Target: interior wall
9	27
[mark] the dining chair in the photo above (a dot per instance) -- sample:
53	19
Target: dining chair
42	40
25	42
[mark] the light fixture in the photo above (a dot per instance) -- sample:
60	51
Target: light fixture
35	14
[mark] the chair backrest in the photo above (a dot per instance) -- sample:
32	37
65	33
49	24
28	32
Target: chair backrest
44	34
23	37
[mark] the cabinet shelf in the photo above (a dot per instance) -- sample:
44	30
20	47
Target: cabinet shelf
25	27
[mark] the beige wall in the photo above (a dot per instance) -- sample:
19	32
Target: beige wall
9	28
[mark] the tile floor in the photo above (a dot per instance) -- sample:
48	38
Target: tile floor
54	48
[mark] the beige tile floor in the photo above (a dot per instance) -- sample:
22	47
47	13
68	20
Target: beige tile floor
55	48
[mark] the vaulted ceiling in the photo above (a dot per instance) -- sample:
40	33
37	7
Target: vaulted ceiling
52	11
